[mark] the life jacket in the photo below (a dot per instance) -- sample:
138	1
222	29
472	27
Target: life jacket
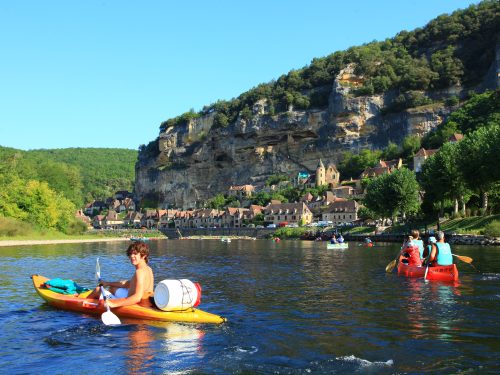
412	253
444	257
420	245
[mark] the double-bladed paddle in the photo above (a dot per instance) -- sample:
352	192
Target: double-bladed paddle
108	318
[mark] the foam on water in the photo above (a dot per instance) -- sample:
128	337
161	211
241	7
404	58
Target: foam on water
364	362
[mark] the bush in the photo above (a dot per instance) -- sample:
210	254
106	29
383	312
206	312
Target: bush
10	227
76	227
492	229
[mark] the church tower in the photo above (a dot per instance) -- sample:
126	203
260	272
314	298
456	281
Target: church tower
320	174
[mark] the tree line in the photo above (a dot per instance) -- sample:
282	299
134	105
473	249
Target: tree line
45	187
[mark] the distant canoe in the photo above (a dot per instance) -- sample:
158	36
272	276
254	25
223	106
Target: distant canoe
143	239
333	246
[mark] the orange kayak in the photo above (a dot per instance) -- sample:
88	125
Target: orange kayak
438	273
92	306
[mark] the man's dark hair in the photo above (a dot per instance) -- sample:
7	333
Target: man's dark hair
139	247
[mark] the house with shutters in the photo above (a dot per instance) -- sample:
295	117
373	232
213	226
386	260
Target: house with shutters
112	220
297	213
340	212
233	217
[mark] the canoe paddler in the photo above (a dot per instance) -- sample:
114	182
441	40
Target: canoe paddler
440	252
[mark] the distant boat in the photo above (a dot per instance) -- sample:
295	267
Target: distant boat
143	239
333	246
225	239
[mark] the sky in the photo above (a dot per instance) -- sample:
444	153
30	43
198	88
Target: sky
108	73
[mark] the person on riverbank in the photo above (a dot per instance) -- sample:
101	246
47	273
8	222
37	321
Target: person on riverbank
139	287
440	252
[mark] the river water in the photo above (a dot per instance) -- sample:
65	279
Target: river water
292	307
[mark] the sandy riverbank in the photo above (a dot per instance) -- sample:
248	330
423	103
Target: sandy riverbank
51	242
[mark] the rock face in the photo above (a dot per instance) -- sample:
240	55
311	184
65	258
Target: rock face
197	161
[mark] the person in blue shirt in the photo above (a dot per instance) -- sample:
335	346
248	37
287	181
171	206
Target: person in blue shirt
440	252
340	239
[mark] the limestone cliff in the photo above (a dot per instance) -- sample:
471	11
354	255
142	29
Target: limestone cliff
196	161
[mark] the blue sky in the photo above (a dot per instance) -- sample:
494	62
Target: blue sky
107	73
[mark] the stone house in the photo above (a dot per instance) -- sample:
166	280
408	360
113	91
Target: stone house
297	213
420	157
242	191
112	220
325	200
150	219
344	191
383	167
233	217
205	218
85	219
454	138
166	218
327	176
182	219
340	212
98	221
133	219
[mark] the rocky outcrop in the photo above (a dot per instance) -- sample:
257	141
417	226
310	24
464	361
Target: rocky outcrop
195	161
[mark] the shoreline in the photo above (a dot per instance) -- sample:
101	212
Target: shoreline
4	243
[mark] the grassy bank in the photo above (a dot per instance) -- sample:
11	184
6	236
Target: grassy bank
478	225
11	229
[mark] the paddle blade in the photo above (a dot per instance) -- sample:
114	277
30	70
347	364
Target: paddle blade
97	270
464	258
390	266
110	319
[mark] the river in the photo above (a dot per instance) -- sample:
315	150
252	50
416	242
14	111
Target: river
292	307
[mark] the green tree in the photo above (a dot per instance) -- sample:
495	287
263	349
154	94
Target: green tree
393	194
479	160
441	177
217	202
410	146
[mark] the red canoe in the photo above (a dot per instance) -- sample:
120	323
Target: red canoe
438	273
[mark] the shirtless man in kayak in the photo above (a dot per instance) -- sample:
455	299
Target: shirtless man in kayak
140	286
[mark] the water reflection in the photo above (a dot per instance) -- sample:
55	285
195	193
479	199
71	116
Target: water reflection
431	308
174	345
140	355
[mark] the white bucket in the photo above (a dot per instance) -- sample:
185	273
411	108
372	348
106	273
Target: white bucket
171	295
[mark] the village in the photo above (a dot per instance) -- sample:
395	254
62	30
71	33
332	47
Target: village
338	206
